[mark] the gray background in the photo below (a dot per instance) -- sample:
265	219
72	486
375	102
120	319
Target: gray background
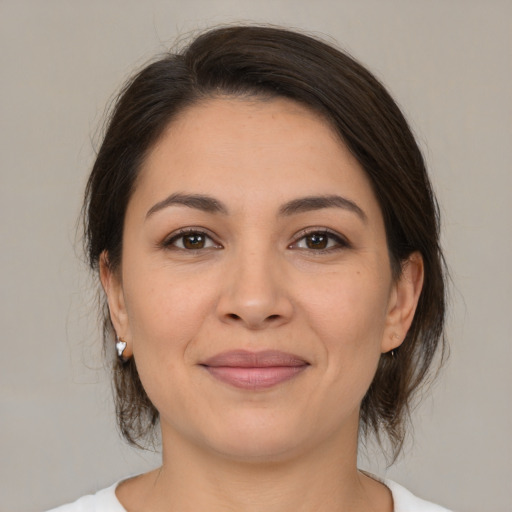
448	63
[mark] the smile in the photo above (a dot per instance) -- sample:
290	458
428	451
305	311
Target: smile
254	370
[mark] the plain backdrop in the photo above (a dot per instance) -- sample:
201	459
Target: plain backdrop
449	65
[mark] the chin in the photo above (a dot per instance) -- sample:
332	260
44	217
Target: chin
257	439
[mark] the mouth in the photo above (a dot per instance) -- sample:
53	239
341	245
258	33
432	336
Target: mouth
254	370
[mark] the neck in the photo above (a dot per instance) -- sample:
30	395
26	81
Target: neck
325	479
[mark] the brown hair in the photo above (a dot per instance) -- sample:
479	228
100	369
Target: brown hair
274	62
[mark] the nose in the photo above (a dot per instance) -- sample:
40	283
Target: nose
254	293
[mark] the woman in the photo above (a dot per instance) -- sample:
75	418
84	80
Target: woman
267	239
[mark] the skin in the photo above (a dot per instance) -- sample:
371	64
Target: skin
256	282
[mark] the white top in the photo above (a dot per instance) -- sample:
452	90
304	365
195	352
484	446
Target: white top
106	501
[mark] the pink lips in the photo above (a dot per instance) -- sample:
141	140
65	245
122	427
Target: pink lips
254	370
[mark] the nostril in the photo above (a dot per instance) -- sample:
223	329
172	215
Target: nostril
273	317
233	316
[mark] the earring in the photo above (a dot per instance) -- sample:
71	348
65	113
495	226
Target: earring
392	352
120	347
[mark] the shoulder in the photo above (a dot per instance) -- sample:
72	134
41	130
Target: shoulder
103	501
405	501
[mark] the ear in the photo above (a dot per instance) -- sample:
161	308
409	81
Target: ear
403	301
113	287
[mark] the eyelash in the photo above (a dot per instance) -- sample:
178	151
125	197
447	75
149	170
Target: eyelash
169	242
340	242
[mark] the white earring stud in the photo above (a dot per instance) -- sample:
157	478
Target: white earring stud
120	347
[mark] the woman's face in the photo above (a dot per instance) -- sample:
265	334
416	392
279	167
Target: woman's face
255	289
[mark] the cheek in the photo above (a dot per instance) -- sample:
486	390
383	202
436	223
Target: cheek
348	314
348	306
165	314
166	317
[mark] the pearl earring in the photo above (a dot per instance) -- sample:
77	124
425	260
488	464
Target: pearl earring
120	347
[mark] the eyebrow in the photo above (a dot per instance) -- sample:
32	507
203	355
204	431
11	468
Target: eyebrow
310	203
209	204
198	201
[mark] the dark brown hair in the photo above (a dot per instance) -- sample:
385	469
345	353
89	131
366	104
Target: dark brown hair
271	62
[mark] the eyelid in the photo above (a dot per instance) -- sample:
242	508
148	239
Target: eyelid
342	241
169	240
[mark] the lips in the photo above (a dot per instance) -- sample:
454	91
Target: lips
254	370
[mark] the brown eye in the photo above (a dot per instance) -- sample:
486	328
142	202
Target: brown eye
320	241
317	241
194	241
191	241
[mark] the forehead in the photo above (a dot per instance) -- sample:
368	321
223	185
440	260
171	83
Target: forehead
252	150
